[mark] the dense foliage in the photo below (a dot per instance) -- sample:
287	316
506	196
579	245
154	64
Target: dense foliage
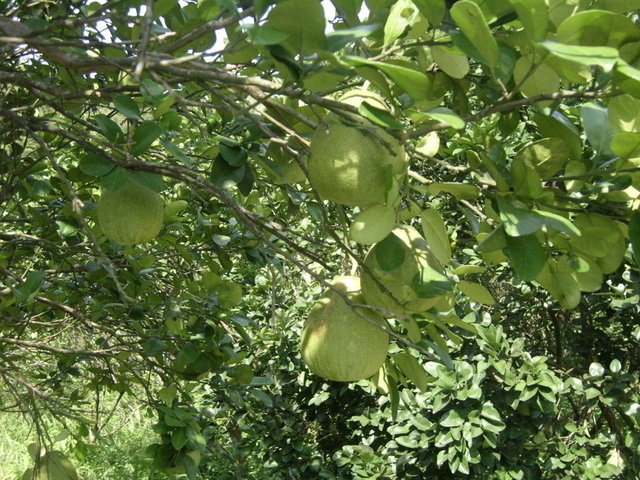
514	316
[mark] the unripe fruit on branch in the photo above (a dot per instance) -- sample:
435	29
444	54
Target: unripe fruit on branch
353	162
405	266
337	343
132	214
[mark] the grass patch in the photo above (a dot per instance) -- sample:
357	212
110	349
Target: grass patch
118	454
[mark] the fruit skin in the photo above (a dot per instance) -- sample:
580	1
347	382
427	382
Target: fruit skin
290	171
54	465
402	279
347	162
133	214
337	344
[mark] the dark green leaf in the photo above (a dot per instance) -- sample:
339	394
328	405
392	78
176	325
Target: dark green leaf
145	134
109	128
527	256
379	116
389	253
127	106
634	235
95	165
429	283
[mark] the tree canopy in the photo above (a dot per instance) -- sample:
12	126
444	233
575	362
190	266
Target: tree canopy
181	181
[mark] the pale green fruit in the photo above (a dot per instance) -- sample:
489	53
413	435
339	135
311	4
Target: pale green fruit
350	166
287	170
54	465
132	214
337	343
404	264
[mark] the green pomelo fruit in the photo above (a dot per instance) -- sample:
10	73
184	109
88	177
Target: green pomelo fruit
337	343
130	215
282	168
54	465
350	166
404	264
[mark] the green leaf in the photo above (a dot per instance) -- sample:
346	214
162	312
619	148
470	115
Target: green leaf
451	419
534	16
410	366
229	294
436	235
429	283
444	115
179	439
28	289
379	116
527	256
496	240
451	60
547	156
595	121
624	113
433	10
338	39
265	35
373	224
411	81
604	57
303	22
470	19
628	78
95	166
145	134
557	125
557	222
109	128
476	292
525	178
517	219
533	77
167	395
389	253
148	179
127	107
490	413
403	14
634	235
462	191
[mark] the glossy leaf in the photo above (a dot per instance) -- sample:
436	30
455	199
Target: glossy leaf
473	25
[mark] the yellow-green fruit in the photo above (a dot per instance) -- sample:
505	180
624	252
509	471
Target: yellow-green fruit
337	343
350	166
132	214
404	264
